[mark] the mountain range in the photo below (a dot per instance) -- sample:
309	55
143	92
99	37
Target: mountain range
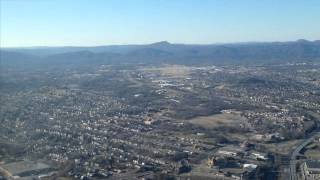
165	52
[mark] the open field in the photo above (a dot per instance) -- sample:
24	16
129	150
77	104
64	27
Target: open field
282	147
24	166
313	151
202	171
171	70
313	154
218	120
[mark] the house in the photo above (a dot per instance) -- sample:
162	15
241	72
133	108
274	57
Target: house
260	156
230	151
250	166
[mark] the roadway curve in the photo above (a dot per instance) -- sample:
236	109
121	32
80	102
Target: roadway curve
293	159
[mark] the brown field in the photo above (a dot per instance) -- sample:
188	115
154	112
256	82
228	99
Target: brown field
218	120
312	154
171	70
202	171
282	147
313	151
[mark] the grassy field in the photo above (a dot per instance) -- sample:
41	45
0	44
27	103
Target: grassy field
282	147
313	151
313	154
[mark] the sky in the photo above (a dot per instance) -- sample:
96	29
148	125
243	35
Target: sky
107	22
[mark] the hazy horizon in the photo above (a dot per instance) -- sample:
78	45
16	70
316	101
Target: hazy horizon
137	44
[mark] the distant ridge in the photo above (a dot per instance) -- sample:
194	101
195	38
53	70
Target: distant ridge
165	52
156	43
161	43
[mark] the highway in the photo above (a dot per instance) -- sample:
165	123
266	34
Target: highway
6	173
295	152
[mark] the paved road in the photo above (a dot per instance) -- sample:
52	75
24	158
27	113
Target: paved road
6	173
293	159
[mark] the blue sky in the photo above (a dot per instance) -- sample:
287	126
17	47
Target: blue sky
105	22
